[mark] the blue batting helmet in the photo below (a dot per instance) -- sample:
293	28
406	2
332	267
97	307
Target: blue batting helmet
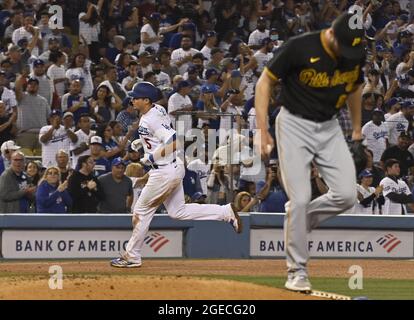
145	90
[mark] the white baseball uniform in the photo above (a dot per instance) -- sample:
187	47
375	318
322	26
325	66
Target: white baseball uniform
376	137
372	208
396	186
397	123
164	184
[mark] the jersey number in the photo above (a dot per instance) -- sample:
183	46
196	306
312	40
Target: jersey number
147	141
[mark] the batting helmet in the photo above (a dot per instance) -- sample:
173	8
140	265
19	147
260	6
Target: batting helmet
145	90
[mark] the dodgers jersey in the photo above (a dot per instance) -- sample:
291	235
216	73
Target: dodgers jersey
376	137
155	131
399	187
359	208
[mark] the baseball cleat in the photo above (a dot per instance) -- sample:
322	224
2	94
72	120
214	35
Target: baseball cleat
123	263
235	220
298	283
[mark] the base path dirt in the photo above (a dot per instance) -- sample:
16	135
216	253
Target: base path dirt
175	278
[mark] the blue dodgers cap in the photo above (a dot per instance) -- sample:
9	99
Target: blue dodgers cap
211	34
22	41
183	84
211	72
266	41
38	62
189	26
192	69
392	102
378	110
209	88
145	90
118	161
126	102
197	196
404	17
365	174
55	112
155	16
407	103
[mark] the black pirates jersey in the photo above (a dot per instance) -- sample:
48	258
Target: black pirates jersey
315	83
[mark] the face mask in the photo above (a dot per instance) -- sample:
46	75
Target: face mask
156	71
274	37
129	51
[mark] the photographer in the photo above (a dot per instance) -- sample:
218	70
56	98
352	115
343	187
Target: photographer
271	192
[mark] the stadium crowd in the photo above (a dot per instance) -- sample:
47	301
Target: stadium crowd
68	129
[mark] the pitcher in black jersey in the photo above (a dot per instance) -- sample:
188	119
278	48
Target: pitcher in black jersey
320	72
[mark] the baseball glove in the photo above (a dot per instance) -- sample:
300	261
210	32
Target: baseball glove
358	154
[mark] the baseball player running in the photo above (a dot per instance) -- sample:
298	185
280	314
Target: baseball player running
165	178
316	83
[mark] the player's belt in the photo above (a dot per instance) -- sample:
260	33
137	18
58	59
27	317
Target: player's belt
157	166
310	118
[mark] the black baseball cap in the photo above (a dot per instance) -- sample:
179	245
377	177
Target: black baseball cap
349	36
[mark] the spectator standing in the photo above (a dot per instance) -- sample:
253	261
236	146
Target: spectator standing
75	102
54	137
264	54
102	165
84	187
90	28
399	122
127	116
33	111
62	161
80	69
180	101
6	95
117	189
52	195
15	189
256	37
182	57
166	65
400	152
7	148
80	147
29	32
57	73
45	85
392	106
396	192
132	78
8	127
211	42
375	134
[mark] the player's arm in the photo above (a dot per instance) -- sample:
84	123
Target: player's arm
354	104
261	101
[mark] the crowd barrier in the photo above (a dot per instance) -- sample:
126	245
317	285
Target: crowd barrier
72	236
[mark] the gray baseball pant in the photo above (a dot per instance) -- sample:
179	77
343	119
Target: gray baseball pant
299	141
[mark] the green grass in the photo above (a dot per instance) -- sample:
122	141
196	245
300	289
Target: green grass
374	289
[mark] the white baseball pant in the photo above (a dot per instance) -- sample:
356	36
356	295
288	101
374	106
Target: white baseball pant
165	186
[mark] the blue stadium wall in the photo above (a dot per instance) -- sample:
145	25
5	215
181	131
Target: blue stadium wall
40	236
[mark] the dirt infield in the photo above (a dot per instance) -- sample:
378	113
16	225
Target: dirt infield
174	279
